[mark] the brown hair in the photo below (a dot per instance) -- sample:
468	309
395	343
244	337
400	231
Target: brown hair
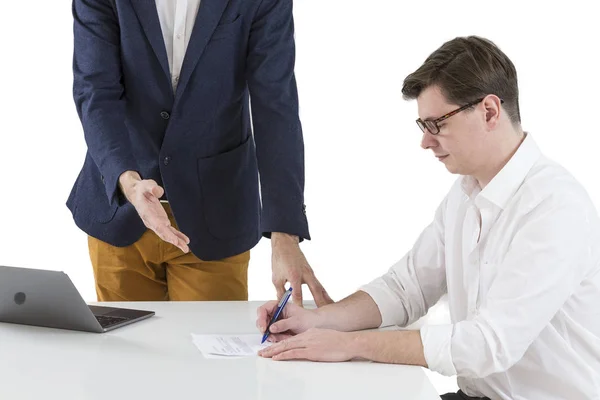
465	69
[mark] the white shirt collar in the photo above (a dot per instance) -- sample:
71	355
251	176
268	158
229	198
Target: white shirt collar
506	182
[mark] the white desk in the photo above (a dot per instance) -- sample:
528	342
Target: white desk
156	359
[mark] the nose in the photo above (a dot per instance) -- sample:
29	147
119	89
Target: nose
428	140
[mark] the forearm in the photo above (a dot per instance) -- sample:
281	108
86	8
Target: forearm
356	312
391	347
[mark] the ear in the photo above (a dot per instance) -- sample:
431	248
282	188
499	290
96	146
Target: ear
493	107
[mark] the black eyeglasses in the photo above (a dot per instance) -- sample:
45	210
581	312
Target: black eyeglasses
432	125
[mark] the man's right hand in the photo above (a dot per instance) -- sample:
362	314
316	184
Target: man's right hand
144	195
293	320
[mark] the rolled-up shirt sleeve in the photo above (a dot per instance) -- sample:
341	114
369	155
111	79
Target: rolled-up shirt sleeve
416	282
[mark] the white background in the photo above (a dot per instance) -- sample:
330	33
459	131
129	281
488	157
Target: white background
370	189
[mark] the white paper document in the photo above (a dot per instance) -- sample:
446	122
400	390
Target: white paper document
229	346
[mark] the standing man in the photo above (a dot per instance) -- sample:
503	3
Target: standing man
515	245
163	90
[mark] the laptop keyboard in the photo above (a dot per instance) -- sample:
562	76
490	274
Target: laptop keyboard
106	321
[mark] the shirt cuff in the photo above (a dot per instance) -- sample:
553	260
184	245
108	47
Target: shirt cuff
437	348
391	310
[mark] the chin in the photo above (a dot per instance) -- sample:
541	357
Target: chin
452	169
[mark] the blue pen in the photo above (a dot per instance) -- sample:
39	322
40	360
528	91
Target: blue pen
280	306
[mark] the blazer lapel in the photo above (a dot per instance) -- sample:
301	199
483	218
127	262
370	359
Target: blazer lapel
148	17
209	14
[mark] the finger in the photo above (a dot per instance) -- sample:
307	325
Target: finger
280	287
155	222
277	348
150	197
269	351
284	325
267	308
292	342
295	354
264	314
182	236
181	243
278	337
150	189
318	291
157	191
182	246
297	291
166	234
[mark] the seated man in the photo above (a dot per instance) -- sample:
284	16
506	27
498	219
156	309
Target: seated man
515	244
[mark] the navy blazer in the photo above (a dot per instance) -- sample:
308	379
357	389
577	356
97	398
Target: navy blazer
197	142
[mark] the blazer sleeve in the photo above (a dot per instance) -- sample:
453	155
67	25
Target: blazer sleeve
277	127
98	91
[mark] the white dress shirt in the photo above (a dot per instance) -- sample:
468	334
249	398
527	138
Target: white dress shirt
520	261
177	18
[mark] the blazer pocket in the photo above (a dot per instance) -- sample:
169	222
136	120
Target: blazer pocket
227	29
230	198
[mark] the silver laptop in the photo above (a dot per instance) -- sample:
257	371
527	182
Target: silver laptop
49	298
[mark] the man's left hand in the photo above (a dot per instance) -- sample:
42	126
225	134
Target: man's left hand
290	265
314	345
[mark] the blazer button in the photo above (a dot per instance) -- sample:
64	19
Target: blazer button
165	115
167	160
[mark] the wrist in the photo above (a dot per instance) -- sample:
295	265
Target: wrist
127	181
358	344
320	320
283	239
